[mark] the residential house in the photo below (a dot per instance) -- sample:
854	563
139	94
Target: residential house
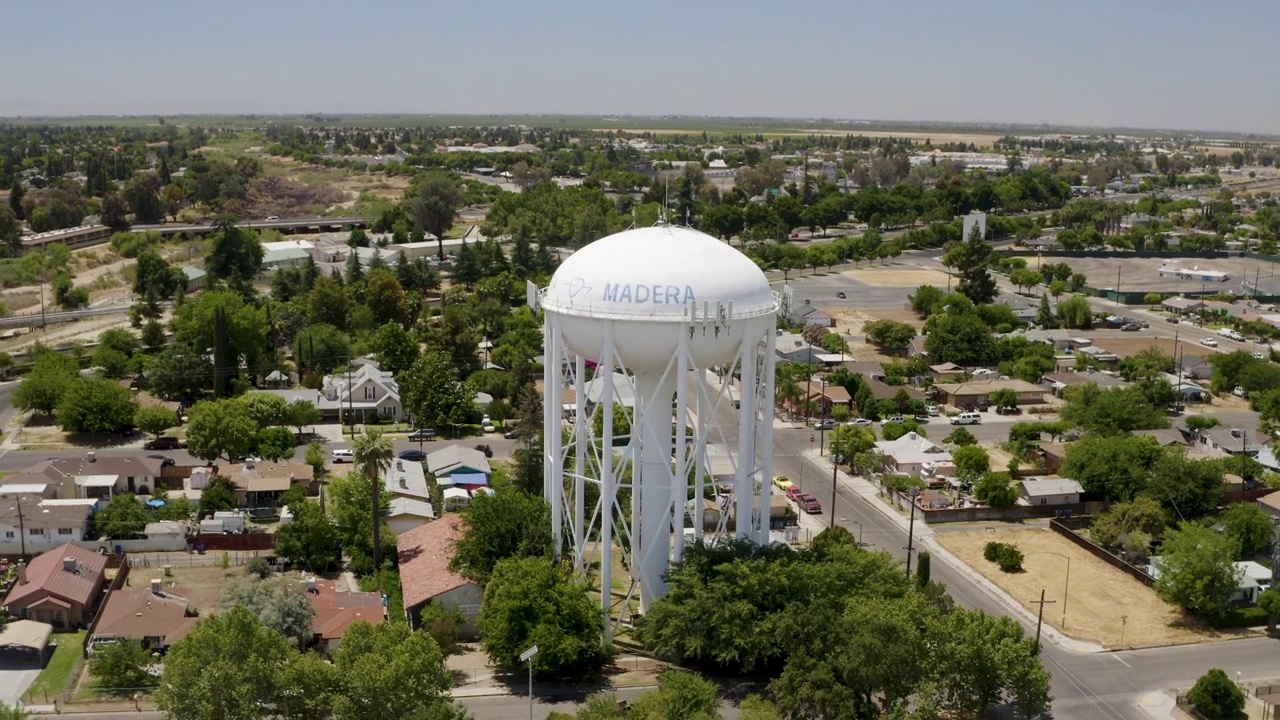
197	278
30	525
915	455
1164	437
1230	442
364	389
1100	356
337	610
884	391
1251	579
1271	504
100	477
806	314
1059	339
425	577
405	514
457	459
943	372
406	479
624	390
1058	383
260	484
149	615
61	587
974	394
1051	455
1194	367
916	348
1051	491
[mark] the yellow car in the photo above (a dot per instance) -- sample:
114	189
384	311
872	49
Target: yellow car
781	482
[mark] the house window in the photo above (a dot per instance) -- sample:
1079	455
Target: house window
8	534
67	531
1043	501
370	393
40	531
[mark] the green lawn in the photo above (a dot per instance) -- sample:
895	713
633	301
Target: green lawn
55	676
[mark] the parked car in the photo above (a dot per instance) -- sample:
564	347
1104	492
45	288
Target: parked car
932	410
861	422
488	427
782	483
342	456
968	418
793	493
1209	342
841	295
414	455
512	434
165	460
894	419
165	443
1258	356
809	504
827	425
922	419
1172	319
422	434
1131	327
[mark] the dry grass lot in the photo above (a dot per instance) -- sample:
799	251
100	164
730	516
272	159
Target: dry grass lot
201	584
1100	594
1133	343
896	278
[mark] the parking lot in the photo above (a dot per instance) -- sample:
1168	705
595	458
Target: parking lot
1143	273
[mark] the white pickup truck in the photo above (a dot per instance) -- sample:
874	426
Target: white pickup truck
1232	334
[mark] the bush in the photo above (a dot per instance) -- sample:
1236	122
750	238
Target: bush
1240	618
258	566
1007	556
1216	697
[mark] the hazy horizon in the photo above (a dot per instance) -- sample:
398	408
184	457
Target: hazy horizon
997	62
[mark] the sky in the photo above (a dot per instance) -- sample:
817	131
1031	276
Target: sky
1117	63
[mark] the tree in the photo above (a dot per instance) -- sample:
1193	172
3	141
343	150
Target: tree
274	443
972	462
220	429
971	259
396	349
959	337
224	668
155	274
1152	299
266	409
1112	411
1023	278
432	203
321	348
235	254
280	604
328	303
1057	287
235	330
373	456
307	686
960	437
121	667
179	374
43	386
219	494
124	518
889	335
996	490
433	394
311	540
1187	488
503	524
1216	697
384	296
10	231
351	507
849	442
1196	570
1005	399
681	695
1114	527
95	405
984	661
1075	313
1250	526
1114	467
115	212
533	600
388	671
17	191
301	413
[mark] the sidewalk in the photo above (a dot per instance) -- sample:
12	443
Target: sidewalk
924	540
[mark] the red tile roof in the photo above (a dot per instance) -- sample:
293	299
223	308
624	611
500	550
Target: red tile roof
335	611
424	553
46	574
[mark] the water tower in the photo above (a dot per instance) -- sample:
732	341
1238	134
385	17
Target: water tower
664	322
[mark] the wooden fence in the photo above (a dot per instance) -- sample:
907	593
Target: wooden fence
1098	552
219	541
120	562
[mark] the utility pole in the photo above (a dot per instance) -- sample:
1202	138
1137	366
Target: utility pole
911	529
22	530
1117	287
1040	617
832	510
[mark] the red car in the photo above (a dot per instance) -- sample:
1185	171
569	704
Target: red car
810	504
794	493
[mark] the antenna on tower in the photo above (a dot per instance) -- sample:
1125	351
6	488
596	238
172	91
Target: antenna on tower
666	200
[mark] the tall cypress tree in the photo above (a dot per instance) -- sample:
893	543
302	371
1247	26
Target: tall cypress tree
221	354
15	198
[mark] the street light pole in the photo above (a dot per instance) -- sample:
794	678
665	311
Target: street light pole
527	656
833	492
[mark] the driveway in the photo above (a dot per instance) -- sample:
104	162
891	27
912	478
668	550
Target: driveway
14	680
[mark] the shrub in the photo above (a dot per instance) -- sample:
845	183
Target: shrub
1007	556
1216	697
258	566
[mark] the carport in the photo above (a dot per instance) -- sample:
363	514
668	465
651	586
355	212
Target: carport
24	642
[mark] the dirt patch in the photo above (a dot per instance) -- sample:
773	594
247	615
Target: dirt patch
200	585
1128	344
896	278
1100	595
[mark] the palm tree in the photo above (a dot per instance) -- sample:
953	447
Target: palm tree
373	455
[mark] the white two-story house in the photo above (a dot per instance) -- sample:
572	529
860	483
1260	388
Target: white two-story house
364	390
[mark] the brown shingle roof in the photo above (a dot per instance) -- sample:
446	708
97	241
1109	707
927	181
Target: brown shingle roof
138	613
45	573
424	553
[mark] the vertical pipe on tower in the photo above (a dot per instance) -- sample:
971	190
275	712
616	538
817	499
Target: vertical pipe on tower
763	345
654	391
552	463
743	492
581	442
680	478
608	489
